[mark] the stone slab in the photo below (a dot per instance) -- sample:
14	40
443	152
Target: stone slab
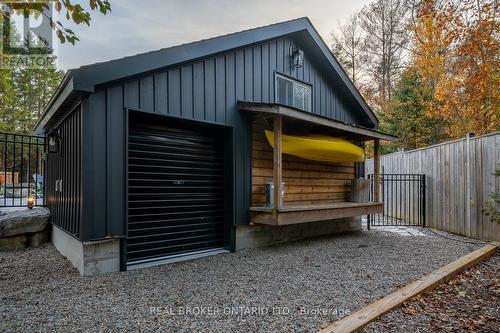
22	220
38	238
13	243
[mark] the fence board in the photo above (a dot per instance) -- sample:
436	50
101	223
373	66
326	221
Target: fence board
459	178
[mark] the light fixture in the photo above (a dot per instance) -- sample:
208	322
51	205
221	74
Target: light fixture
31	202
54	139
296	57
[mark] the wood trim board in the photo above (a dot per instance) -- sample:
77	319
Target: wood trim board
366	315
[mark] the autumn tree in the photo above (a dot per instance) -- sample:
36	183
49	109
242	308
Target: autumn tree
384	22
455	50
349	47
468	93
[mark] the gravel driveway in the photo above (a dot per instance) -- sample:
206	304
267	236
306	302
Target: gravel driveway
300	286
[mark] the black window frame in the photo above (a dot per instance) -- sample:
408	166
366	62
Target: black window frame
294	81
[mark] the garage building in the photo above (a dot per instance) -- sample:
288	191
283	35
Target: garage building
162	156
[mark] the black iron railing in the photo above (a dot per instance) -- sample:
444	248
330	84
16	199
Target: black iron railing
403	196
22	170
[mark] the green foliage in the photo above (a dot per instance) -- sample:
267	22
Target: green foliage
24	93
493	206
406	115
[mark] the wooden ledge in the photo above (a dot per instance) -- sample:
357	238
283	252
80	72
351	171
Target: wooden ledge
335	205
312	213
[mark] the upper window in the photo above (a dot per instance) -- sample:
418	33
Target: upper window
293	93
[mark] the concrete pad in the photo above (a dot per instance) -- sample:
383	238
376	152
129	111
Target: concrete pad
250	236
401	230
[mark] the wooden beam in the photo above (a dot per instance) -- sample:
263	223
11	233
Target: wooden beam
277	162
312	213
305	216
366	315
276	109
376	170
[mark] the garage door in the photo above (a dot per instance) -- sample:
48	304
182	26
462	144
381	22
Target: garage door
175	193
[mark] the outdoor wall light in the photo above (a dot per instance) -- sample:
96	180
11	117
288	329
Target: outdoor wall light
54	139
296	57
31	202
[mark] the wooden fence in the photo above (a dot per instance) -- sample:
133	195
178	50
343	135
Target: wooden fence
459	181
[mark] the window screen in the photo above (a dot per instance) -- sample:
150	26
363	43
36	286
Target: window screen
293	93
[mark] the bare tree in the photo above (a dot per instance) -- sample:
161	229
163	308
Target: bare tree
349	47
385	25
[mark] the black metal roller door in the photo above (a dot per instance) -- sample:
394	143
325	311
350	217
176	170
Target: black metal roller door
175	191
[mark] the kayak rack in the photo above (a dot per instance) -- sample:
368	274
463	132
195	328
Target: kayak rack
319	189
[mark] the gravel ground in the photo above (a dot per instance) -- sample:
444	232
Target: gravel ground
468	303
300	286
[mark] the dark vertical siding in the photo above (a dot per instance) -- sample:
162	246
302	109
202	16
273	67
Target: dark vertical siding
209	90
174	93
146	93
131	94
115	171
220	89
94	165
161	92
265	73
198	89
65	166
186	91
206	90
230	84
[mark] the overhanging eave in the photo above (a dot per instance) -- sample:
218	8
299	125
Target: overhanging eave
353	131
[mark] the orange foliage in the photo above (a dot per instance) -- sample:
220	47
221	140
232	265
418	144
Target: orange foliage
456	51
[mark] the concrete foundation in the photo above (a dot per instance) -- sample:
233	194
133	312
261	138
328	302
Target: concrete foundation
261	235
88	257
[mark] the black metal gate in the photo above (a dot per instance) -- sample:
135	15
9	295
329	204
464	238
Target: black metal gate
22	168
403	196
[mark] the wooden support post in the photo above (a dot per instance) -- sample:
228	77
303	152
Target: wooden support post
376	170
277	163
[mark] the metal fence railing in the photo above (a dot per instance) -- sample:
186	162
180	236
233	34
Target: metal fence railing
403	196
22	170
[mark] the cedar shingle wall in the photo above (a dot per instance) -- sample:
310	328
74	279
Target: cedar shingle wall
307	182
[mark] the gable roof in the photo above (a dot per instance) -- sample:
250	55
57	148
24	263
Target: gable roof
86	78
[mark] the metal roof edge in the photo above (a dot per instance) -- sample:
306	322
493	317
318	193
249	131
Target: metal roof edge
64	89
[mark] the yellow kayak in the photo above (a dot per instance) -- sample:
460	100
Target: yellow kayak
319	148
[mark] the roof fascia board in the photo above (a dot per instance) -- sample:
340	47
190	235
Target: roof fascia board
60	96
87	77
278	109
345	79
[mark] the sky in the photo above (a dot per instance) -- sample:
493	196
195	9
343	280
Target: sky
136	26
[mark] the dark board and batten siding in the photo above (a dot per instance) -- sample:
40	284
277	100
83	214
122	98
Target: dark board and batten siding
65	169
203	90
208	89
